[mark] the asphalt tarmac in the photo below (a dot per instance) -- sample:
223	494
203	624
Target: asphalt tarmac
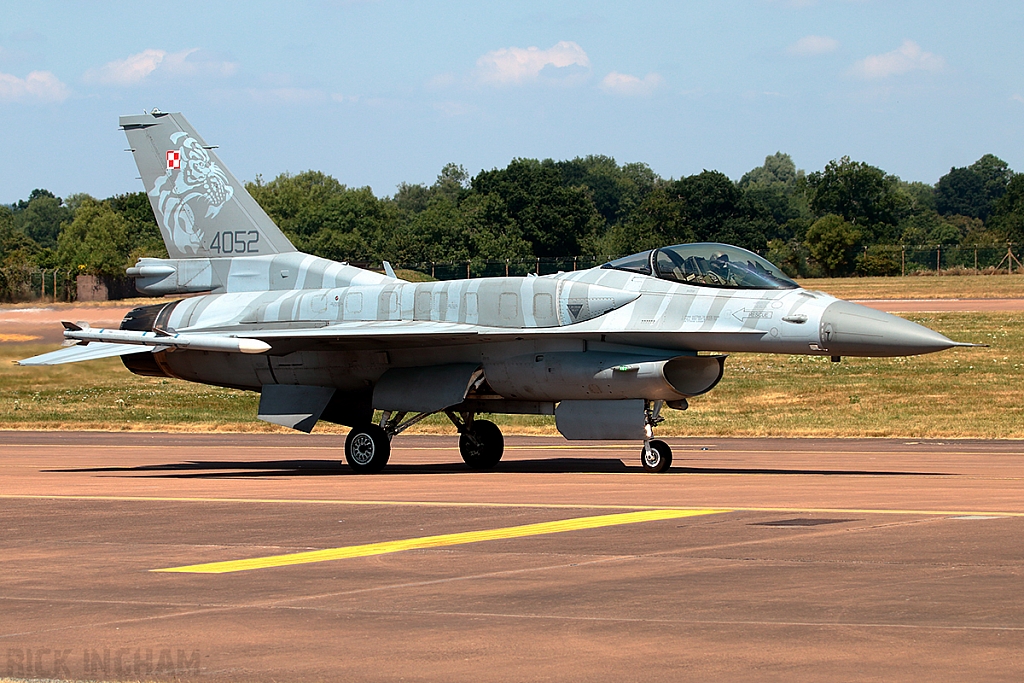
767	559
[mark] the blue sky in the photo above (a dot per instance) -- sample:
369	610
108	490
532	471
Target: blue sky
380	92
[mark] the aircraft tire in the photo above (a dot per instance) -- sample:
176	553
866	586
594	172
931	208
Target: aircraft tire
660	458
482	445
367	449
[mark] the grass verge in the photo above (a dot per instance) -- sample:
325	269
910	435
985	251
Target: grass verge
921	287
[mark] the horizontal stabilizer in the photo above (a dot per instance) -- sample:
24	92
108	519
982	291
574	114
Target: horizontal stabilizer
74	354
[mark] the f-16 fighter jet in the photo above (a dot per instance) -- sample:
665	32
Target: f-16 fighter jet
603	350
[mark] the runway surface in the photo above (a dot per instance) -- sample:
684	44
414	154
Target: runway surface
752	559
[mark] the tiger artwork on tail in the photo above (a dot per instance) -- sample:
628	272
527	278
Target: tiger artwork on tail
191	175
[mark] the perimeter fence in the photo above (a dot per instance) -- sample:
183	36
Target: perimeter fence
28	284
900	260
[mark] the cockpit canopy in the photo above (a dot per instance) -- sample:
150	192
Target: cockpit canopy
706	264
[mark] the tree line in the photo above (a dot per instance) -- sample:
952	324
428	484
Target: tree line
834	222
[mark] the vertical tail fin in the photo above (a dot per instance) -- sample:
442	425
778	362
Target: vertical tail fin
201	208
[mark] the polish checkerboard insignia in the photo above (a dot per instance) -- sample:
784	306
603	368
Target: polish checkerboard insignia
173	159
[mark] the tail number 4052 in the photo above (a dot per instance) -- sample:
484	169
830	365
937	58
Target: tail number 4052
237	242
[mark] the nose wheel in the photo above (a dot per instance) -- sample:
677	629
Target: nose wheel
656	456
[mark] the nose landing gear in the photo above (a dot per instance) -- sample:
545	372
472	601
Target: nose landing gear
656	456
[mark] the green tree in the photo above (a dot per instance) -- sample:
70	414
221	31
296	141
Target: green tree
556	220
411	198
791	256
865	196
143	232
95	242
880	260
615	190
326	218
976	233
1008	211
929	228
452	182
832	242
778	186
16	248
41	216
16	257
974	190
915	196
706	207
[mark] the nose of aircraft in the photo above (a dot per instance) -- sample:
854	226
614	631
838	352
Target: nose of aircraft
849	329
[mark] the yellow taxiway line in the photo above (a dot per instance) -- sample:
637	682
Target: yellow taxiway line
442	540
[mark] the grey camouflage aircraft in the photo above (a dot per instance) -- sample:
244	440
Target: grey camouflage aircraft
603	350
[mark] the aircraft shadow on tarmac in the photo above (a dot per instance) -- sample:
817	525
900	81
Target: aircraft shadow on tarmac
209	469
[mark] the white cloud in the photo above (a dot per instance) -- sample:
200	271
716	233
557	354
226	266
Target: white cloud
625	84
128	71
196	62
908	57
38	86
514	65
135	68
813	45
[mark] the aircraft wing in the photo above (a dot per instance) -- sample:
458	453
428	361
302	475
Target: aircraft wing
386	328
370	334
374	334
73	354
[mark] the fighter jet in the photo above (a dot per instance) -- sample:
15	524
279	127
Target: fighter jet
604	350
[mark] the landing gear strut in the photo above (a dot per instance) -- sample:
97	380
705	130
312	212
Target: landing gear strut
480	441
655	456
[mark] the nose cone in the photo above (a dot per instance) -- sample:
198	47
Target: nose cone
848	329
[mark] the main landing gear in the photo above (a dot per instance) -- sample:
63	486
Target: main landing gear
367	449
480	441
368	446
